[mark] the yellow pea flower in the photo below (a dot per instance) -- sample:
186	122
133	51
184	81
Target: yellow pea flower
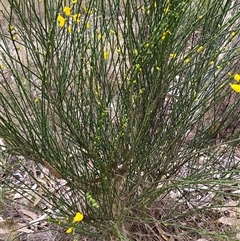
235	87
76	17
78	217
69	230
105	55
67	10
173	55
100	36
232	35
74	1
165	34
69	29
61	20
237	77
200	49
87	25
166	10
11	27
112	31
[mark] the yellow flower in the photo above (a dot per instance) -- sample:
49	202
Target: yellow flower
187	60
105	55
200	49
235	87
78	217
166	224
11	27
166	10
100	36
69	29
67	10
237	77
155	4
212	62
69	230
233	34
87	25
76	17
173	55
61	20
164	35
112	31
74	1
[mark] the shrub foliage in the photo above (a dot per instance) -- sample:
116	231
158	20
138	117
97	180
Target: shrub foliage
127	101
